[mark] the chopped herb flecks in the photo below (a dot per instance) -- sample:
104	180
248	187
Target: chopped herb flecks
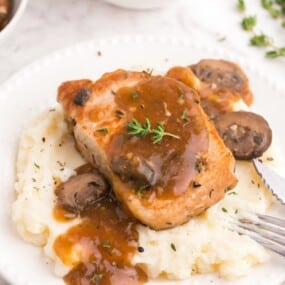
277	10
260	40
97	278
184	116
103	130
36	165
173	247
248	23
106	244
134	94
241	5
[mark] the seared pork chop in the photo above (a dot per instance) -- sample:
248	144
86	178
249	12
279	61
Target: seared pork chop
150	137
220	83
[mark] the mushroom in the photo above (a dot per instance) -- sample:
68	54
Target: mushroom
246	134
5	12
223	75
133	168
81	191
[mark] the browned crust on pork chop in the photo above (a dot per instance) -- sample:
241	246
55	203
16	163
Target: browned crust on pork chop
94	111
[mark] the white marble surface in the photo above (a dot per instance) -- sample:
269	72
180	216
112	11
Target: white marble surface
48	25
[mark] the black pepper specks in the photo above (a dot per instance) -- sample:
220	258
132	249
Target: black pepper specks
82	96
140	249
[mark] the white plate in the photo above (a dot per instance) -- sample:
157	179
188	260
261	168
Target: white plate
34	89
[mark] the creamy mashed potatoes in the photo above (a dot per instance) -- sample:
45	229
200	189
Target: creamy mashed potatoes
47	156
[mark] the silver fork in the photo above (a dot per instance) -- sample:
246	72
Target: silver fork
267	230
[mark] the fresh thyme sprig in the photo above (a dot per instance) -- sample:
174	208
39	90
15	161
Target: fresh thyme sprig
137	129
159	133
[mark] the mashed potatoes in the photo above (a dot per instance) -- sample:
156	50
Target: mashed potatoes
47	155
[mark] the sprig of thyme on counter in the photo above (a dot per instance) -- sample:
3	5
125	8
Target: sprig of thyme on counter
276	9
137	129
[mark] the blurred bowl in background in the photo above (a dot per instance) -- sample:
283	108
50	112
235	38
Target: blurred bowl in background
142	4
18	9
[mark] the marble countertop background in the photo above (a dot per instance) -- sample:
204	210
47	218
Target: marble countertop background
48	25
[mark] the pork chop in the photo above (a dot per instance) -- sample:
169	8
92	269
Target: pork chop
152	140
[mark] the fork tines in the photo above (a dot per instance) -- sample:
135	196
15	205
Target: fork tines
267	230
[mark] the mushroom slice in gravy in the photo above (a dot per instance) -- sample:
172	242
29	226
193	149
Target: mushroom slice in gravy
246	134
81	191
220	83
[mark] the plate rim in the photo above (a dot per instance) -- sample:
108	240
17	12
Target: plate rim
26	72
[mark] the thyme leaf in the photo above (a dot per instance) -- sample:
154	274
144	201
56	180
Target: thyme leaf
275	53
102	130
159	133
260	40
241	5
248	23
173	247
137	129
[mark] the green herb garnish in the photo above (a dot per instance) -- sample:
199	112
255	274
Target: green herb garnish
106	244
184	116
241	5
224	210
97	278
276	8
159	133
173	247
269	6
36	165
103	130
141	190
276	53
260	40
248	23
181	93
134	94
137	129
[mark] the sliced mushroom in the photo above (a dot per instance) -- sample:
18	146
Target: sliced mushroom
133	168
81	191
223	75
246	134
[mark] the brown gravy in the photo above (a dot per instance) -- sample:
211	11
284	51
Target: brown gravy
168	102
101	247
105	242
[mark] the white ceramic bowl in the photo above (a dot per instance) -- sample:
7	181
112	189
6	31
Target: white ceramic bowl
18	9
142	4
